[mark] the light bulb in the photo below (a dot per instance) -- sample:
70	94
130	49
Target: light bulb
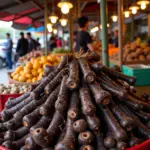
55	31
114	18
49	25
65	9
126	14
134	10
53	19
63	22
50	29
143	5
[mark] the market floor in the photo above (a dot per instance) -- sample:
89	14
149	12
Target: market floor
4	76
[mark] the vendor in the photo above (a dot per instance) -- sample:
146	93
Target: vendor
115	38
83	39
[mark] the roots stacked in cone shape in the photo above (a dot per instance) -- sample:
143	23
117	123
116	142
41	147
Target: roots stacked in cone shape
80	105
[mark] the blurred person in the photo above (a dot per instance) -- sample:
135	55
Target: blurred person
22	45
38	45
83	38
8	45
59	42
115	38
52	43
31	42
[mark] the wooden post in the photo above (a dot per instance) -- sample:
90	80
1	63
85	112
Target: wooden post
148	25
120	32
78	9
46	21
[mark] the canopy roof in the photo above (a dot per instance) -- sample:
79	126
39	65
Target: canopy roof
25	13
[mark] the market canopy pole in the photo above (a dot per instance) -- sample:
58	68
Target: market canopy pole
103	9
46	21
120	25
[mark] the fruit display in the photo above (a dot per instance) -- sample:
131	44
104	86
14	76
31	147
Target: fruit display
81	105
14	89
34	69
29	56
134	52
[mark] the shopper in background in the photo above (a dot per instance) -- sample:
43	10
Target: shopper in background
22	45
59	42
115	38
52	43
83	38
38	45
31	42
8	51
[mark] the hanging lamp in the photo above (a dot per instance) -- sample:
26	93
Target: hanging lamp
134	8
49	25
143	3
65	6
53	17
55	31
127	13
50	29
114	18
63	21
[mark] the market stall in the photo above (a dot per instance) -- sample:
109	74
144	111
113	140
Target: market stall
71	101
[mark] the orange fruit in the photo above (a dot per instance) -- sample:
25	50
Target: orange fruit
22	79
13	74
44	59
32	60
40	70
21	73
49	58
29	65
29	76
19	69
34	73
27	70
16	77
34	80
36	65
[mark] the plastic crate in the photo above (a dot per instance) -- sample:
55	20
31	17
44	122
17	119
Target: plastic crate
4	98
141	72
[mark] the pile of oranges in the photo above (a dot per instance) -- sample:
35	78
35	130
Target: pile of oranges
34	69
